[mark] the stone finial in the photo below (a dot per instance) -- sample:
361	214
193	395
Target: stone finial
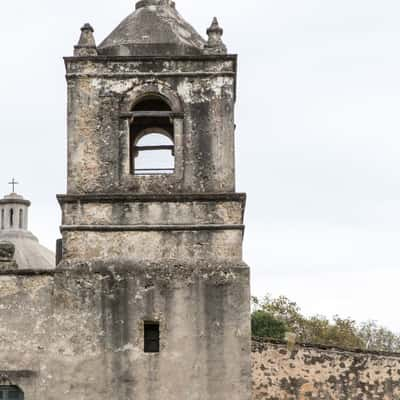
146	3
215	45
7	251
87	44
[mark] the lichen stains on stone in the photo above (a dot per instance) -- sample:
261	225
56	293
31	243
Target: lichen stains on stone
322	373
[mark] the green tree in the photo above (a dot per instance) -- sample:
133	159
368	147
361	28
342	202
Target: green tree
341	332
315	330
284	310
264	324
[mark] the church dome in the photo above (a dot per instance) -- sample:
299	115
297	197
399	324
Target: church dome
29	253
154	29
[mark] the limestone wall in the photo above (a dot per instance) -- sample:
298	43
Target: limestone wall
79	335
311	372
100	93
179	228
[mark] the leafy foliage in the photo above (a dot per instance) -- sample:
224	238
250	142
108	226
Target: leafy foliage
264	324
379	338
275	317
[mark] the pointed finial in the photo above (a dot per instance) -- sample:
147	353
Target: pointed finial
215	44
87	44
146	3
215	28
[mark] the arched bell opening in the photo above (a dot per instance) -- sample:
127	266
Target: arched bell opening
152	137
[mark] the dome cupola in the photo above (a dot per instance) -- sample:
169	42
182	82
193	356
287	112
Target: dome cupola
155	28
29	253
14	213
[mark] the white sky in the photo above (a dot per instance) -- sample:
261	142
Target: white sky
317	138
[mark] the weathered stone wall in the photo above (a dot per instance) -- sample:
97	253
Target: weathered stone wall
78	334
173	240
312	372
151	246
153	228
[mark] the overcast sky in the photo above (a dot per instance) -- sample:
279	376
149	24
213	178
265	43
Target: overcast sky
317	135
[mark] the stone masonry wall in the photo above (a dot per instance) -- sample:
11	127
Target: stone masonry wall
312	372
183	228
101	90
78	334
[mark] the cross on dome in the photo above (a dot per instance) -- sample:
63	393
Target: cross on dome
13	183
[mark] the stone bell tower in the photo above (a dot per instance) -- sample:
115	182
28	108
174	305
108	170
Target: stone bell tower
151	197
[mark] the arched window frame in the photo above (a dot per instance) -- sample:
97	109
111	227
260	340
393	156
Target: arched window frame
129	100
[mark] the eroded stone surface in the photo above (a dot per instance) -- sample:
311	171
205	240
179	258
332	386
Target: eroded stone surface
142	248
312	372
155	28
7	251
99	92
80	334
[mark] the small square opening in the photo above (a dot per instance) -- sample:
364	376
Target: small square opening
151	337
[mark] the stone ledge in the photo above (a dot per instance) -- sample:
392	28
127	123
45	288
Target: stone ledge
149	198
201	57
125	265
149	228
9	200
15	374
134	267
126	75
27	272
259	344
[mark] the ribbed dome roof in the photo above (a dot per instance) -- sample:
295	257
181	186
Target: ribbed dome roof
29	253
154	29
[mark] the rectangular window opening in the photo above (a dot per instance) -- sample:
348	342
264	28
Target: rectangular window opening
11	393
151	337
